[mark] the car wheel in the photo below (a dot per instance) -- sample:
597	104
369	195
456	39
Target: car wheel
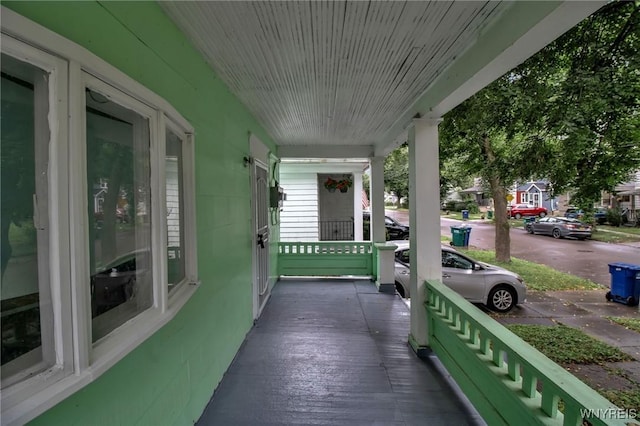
501	299
542	214
556	233
517	215
405	236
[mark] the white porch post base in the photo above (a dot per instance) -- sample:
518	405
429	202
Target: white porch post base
385	267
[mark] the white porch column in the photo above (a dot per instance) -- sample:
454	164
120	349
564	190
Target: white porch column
377	231
424	220
383	251
357	206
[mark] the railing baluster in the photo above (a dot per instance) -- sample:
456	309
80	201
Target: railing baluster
310	258
498	359
549	401
572	414
526	368
513	367
484	344
529	383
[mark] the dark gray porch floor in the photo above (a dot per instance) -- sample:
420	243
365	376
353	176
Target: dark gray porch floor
333	352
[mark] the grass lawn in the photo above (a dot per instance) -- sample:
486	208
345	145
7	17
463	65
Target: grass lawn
609	234
621	229
458	215
537	277
630	323
23	239
566	345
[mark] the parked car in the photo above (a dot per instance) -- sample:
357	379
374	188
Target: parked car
560	227
519	210
115	283
599	215
395	230
478	282
574	213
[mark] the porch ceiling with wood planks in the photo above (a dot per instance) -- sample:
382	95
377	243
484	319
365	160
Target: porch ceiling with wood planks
353	74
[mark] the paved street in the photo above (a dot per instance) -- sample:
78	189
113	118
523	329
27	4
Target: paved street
587	259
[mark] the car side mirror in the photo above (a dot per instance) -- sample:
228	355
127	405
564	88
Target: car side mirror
477	267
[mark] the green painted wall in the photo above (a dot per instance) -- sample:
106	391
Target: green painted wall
170	377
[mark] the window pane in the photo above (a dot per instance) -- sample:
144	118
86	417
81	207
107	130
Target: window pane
26	309
118	173
175	230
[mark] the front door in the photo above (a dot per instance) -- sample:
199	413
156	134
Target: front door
261	235
536	199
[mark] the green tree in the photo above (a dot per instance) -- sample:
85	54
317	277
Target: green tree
396	172
569	114
473	136
591	105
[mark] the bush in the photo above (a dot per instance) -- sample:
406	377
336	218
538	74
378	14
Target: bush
472	206
458	206
614	217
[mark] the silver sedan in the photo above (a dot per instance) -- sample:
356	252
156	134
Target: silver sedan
560	227
497	288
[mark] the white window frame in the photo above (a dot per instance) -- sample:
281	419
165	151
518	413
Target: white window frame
183	130
78	360
57	188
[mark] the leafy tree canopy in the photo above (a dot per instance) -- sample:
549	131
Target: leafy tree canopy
396	172
569	114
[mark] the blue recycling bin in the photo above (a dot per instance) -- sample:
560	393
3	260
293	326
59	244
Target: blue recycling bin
625	283
460	236
465	214
467	234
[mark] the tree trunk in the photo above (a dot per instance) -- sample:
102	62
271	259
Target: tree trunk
108	237
503	238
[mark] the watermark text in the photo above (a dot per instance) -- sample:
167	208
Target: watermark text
612	413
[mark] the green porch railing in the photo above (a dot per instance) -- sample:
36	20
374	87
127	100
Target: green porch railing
325	258
506	379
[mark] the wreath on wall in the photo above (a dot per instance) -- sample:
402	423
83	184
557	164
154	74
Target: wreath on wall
342	185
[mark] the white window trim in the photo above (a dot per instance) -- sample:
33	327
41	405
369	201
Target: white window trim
79	362
58	224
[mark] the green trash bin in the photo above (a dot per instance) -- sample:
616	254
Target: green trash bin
458	235
489	214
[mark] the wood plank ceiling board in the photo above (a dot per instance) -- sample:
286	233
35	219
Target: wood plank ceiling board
332	73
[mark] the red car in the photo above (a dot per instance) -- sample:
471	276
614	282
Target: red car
521	210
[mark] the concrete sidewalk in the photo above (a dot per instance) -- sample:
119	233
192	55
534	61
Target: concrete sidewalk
585	310
588	312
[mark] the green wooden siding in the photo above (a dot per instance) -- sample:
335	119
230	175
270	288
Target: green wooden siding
170	377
